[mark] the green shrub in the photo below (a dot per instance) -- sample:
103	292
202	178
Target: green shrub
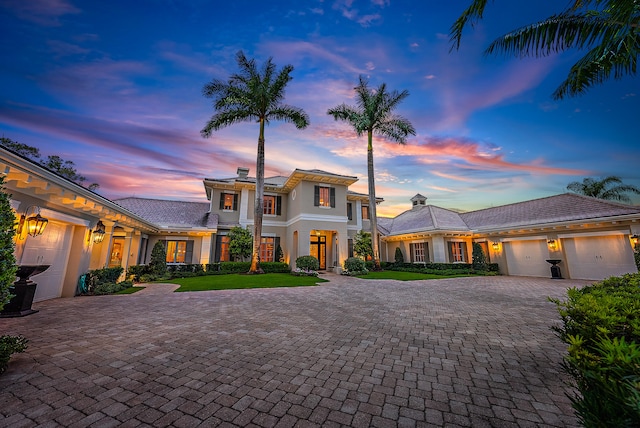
8	266
102	276
355	266
111	288
136	271
158	262
443	268
275	267
479	258
235	267
399	257
10	345
307	263
601	325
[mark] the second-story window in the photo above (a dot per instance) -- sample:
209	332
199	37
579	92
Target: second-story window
365	212
228	201
349	210
324	197
271	205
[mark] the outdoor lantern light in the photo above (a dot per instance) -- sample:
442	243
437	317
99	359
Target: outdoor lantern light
552	244
634	239
496	246
98	234
34	223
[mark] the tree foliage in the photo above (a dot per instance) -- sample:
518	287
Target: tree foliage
609	31
54	163
158	262
399	257
240	243
479	258
8	267
362	245
610	188
374	114
253	95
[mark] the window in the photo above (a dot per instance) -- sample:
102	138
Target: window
350	247
229	201
456	251
324	197
365	212
267	248
223	253
418	252
349	210
179	251
271	205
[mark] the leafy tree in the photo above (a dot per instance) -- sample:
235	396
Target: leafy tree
479	258
362	245
158	262
373	113
610	188
607	29
399	257
55	163
240	243
8	267
253	95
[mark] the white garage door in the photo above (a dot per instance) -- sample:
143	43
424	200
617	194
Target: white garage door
527	258
51	248
598	257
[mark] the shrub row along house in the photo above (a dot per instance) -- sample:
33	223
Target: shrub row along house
309	212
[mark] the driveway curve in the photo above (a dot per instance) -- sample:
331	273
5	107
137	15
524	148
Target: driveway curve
462	352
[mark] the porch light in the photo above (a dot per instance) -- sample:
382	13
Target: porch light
35	223
98	234
635	239
495	246
553	245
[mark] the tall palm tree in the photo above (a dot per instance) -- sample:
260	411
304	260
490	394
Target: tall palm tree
374	114
250	95
602	189
608	29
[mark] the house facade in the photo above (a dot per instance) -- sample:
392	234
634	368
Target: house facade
309	212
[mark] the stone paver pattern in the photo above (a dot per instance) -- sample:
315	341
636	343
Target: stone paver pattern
463	352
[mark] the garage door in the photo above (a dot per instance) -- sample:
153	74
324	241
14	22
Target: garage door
598	257
527	258
51	248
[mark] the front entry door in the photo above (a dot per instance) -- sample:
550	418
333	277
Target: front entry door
318	249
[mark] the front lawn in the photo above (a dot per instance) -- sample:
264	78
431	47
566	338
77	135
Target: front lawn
130	290
406	276
239	281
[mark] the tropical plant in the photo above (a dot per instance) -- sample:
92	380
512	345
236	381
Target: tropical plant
610	188
253	95
158	262
607	29
362	245
240	243
8	267
373	114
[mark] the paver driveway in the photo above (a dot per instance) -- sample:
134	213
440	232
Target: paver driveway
457	352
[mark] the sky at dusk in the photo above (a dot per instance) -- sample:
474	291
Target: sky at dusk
116	87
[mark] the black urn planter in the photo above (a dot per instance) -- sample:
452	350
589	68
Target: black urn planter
555	269
23	290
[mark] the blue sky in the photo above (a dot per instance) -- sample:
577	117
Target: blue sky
116	87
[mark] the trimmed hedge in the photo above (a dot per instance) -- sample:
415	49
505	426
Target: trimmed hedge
142	273
440	268
601	325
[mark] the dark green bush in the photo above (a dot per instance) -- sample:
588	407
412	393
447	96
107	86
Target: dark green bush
10	345
307	263
111	288
601	325
136	271
399	257
235	267
355	266
102	276
275	267
479	258
442	268
158	262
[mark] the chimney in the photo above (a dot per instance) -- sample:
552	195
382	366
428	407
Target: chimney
242	172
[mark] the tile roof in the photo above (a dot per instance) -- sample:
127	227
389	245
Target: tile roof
172	214
425	218
552	209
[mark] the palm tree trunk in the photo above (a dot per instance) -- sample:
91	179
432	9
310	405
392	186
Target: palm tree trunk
372	203
257	215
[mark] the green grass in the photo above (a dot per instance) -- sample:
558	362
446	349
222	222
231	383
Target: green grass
130	290
240	281
407	276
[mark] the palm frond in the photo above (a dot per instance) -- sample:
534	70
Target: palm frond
396	128
226	118
289	114
470	16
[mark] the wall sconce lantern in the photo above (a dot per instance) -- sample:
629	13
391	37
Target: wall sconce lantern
35	223
553	245
98	234
635	239
496	246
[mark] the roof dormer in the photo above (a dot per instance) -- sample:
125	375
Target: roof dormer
418	200
242	172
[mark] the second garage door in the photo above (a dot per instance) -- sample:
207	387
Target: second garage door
527	258
598	257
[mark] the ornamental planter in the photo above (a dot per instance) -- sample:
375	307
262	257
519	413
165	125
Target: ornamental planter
23	290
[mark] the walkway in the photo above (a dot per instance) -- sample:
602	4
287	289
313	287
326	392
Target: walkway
464	352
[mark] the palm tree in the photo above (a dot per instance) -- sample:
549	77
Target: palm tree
601	188
253	95
608	29
374	114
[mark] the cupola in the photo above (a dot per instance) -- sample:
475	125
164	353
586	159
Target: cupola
418	201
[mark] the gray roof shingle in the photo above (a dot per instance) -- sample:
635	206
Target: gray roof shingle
172	214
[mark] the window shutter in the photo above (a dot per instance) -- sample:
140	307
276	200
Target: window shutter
217	255
427	259
412	252
349	211
221	201
316	196
450	248
333	197
235	202
465	253
276	244
278	205
188	255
